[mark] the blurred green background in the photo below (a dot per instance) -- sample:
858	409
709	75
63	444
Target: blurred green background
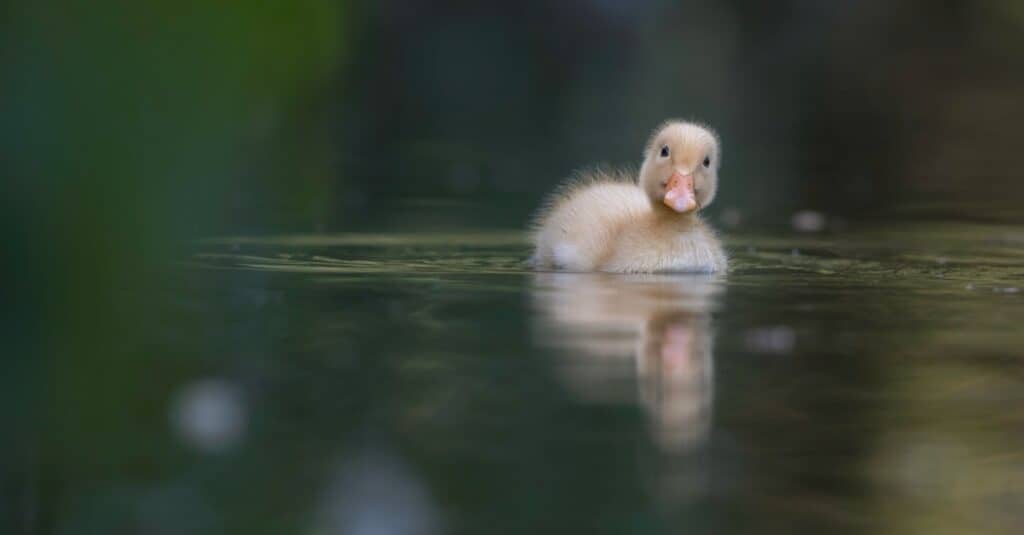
129	130
192	120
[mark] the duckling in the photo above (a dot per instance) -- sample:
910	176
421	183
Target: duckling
612	222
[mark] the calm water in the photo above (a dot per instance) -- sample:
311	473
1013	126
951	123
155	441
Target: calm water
408	383
856	381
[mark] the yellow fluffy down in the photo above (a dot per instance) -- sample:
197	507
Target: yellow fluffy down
612	222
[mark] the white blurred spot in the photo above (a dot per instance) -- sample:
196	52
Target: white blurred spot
376	493
808	221
794	252
1006	290
777	340
209	415
970	286
731	217
941	260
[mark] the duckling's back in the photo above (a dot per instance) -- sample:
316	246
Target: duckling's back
578	227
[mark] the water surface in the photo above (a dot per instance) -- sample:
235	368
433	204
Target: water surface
865	380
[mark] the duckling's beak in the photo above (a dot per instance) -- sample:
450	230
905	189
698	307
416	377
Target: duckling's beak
679	194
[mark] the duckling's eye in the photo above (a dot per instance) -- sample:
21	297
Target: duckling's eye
707	161
664	151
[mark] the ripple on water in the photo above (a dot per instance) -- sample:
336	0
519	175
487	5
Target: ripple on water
980	257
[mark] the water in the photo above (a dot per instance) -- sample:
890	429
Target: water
429	383
859	381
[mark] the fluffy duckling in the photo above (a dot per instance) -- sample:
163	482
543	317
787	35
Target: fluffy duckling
615	223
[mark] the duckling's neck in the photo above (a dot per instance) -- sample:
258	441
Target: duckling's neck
669	218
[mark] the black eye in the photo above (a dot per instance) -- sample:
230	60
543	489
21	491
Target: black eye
707	161
664	151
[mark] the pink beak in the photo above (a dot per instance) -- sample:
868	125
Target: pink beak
679	194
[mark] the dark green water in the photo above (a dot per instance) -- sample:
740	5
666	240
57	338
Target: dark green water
864	381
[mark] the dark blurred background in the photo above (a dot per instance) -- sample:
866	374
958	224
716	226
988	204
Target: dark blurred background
312	116
131	129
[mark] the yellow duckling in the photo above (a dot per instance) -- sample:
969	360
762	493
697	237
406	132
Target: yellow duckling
615	223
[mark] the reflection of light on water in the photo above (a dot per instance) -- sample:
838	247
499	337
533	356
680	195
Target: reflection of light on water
924	466
377	493
808	221
209	415
624	338
778	340
947	457
731	217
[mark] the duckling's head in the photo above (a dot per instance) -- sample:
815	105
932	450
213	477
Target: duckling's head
680	170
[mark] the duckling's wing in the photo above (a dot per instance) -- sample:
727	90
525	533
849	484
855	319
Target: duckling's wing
577	184
579	224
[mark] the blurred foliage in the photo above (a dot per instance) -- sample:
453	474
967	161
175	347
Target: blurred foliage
124	124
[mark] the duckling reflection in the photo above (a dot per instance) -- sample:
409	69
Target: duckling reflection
635	338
